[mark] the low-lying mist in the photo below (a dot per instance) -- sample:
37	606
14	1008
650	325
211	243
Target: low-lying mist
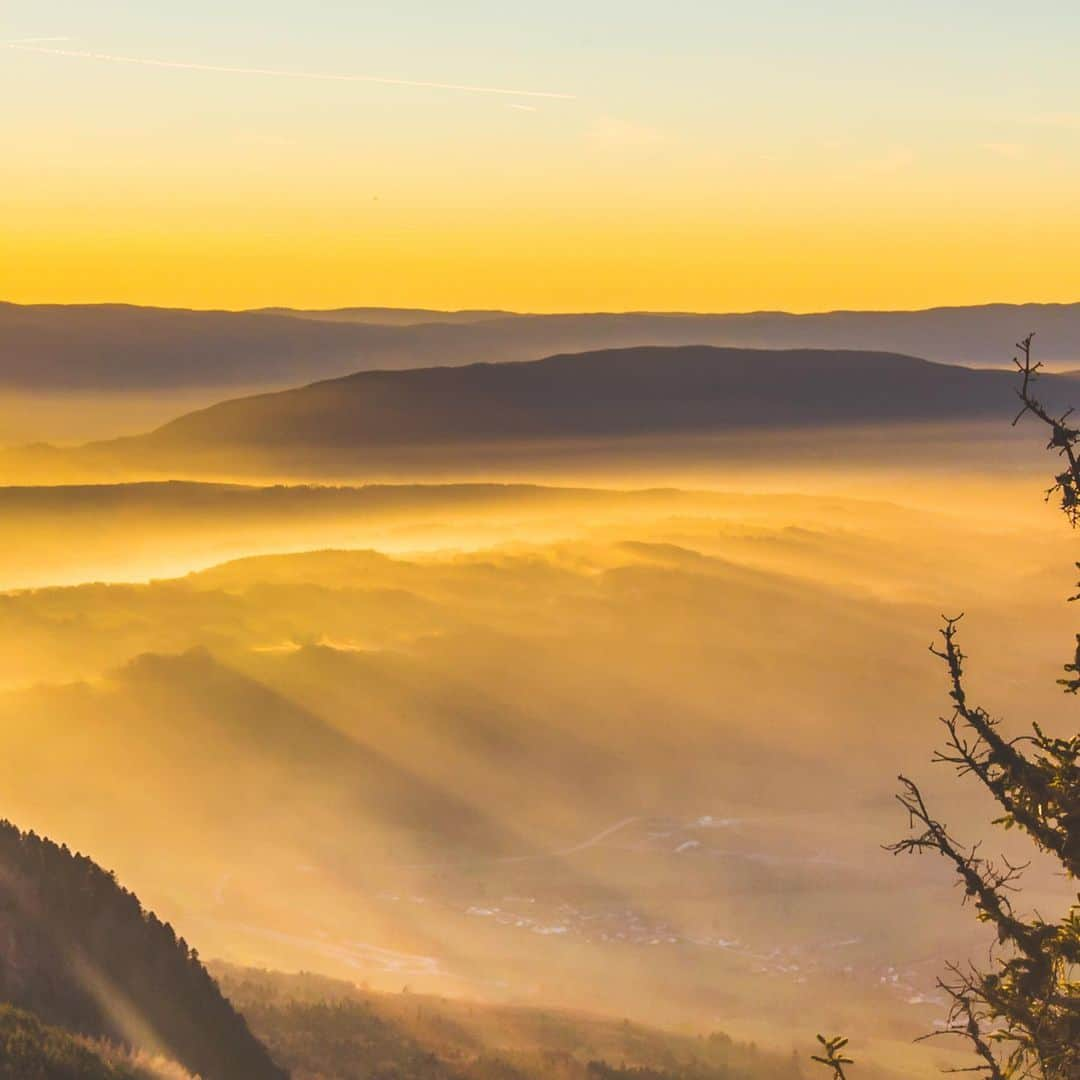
630	751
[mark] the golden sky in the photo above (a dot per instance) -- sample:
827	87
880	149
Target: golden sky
583	156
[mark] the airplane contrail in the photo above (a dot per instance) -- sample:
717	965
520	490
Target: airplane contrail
27	45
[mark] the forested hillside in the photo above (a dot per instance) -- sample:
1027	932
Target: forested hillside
31	1050
80	952
326	1028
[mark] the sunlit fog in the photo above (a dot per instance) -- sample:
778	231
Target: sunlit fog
539	543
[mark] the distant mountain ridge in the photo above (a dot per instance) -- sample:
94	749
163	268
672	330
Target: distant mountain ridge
451	421
387	316
613	393
115	347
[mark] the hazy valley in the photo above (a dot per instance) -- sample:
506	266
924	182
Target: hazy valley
553	707
538	542
528	744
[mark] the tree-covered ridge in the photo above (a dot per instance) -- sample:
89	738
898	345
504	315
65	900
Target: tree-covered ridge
31	1050
1019	1011
322	1028
79	951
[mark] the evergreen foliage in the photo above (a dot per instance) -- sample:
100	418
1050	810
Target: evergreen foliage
1021	1013
31	1050
80	952
321	1028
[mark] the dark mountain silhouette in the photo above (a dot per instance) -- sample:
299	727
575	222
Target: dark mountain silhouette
612	409
105	348
80	952
618	393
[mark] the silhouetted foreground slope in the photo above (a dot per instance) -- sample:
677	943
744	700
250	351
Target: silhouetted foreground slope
79	951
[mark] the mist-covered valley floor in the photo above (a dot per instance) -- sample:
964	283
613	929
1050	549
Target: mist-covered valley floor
632	752
538	542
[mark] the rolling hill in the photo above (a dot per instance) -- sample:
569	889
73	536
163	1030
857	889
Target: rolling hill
70	374
440	422
616	393
130	532
568	417
544	759
324	1027
594	765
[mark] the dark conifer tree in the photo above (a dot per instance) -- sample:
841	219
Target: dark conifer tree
1021	1013
80	952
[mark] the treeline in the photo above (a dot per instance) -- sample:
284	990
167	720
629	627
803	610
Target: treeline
31	1050
320	1028
601	1070
79	951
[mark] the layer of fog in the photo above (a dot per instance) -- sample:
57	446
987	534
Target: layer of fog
629	752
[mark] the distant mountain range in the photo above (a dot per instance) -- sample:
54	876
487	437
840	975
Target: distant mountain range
507	421
445	417
384	316
47	348
621	392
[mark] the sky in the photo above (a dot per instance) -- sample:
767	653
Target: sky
562	156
